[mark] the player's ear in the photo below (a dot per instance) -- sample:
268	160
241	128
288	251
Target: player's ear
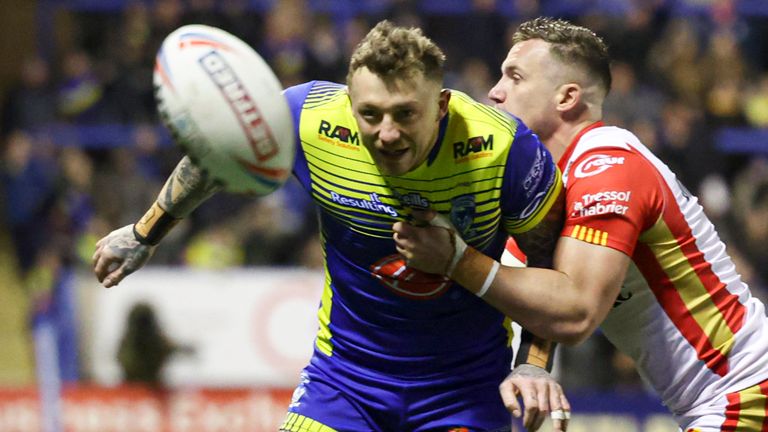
568	97
445	97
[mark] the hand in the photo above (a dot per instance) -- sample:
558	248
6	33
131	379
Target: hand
430	244
541	395
118	255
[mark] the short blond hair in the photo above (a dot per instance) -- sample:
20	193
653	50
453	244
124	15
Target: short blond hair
393	52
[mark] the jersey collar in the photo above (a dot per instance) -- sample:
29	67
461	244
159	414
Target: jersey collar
438	142
568	151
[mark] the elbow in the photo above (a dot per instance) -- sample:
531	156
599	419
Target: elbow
574	332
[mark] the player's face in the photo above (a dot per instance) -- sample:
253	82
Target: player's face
398	120
528	85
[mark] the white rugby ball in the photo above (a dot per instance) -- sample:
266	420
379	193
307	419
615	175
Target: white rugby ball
224	106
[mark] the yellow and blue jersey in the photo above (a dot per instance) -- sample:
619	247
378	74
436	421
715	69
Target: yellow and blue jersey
487	172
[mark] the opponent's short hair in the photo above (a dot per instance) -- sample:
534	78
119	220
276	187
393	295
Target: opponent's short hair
393	52
571	44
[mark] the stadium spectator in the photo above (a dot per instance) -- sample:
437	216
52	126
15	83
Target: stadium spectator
145	348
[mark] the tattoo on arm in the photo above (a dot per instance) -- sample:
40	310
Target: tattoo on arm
539	243
186	188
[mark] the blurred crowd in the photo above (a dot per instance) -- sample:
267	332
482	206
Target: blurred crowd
677	80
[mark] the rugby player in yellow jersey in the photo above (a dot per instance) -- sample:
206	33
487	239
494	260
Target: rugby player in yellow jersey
400	349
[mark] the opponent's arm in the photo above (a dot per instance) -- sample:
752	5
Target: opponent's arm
531	381
564	305
127	249
539	243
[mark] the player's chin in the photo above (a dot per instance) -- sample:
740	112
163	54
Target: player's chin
394	166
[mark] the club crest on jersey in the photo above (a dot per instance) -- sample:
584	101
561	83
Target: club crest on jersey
338	135
463	213
596	164
473	148
393	272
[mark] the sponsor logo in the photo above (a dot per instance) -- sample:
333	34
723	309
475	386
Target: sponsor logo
463	213
534	175
532	206
338	133
373	203
393	272
596	164
251	120
476	146
412	199
597	203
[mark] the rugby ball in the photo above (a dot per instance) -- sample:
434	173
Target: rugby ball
224	106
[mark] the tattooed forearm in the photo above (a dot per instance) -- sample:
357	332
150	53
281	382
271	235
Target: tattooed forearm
539	243
186	188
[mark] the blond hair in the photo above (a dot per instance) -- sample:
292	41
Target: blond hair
393	52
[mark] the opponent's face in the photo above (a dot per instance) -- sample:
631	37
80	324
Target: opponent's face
528	86
398	120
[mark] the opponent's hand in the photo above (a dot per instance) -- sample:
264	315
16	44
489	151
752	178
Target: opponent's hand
430	243
118	255
541	395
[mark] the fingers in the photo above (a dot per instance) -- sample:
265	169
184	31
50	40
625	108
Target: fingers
540	398
560	424
102	264
423	217
509	393
116	276
109	270
560	408
536	400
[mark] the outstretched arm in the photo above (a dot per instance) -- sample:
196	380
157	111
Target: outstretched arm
127	249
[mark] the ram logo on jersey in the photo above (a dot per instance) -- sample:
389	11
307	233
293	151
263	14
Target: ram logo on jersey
337	134
596	164
478	146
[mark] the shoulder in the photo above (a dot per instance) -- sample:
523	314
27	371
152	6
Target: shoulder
478	114
602	149
312	93
611	172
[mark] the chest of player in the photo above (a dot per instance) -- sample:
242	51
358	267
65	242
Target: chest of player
461	178
347	185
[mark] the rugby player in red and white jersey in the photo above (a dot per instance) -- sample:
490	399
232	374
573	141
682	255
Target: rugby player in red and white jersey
651	269
643	260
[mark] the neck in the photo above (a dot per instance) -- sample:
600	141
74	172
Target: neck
563	136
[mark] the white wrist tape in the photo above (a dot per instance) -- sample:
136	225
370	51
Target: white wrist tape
489	279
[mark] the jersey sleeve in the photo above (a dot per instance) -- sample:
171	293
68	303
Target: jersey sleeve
612	196
531	184
295	96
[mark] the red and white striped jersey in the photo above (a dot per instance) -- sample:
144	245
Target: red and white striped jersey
684	314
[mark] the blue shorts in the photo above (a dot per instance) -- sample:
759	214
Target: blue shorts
344	397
